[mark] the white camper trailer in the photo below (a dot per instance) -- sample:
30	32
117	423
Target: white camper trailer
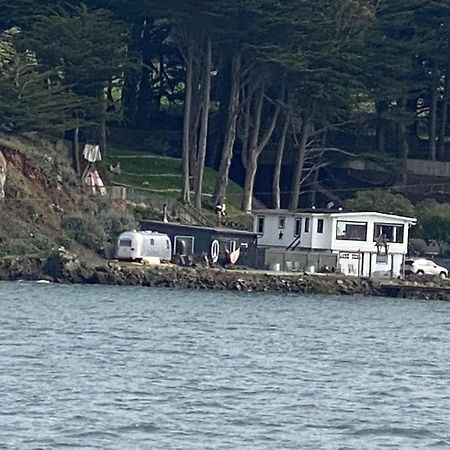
136	245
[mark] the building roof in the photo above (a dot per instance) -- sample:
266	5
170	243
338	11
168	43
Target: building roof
332	213
295	211
185	226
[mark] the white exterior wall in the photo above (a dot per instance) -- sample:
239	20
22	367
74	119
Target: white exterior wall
311	239
320	241
355	257
306	238
270	236
369	244
366	251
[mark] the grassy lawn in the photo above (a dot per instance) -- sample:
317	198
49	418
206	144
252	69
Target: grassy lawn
161	174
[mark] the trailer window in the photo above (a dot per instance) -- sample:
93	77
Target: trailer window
152	242
125	243
168	244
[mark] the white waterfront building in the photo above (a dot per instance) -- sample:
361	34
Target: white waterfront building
361	243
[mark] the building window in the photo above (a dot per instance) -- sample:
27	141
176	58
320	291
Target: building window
298	227
351	231
388	233
260	225
307	225
184	245
281	222
320	225
152	242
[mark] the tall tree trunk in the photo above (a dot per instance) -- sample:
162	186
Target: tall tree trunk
131	79
144	97
103	129
230	132
196	115
433	113
276	194
257	145
185	188
382	108
203	127
444	119
300	162
250	175
403	140
76	151
314	187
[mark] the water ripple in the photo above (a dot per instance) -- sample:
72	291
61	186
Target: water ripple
91	367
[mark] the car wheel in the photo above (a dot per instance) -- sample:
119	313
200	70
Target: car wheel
420	273
443	275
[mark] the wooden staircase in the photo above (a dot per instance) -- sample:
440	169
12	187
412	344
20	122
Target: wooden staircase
192	215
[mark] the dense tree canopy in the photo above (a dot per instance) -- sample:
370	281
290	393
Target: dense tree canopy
239	80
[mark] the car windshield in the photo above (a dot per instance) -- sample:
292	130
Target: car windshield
409	262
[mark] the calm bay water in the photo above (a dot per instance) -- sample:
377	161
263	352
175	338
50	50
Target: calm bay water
136	368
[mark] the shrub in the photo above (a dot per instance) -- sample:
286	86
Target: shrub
380	201
115	223
85	230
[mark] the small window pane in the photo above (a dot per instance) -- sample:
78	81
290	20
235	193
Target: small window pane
260	225
298	227
320	225
388	233
307	225
281	222
125	243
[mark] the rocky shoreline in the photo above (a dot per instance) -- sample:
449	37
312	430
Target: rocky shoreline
61	266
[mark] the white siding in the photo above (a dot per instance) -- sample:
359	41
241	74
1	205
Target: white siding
369	244
358	257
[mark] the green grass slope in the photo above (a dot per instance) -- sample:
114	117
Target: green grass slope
162	175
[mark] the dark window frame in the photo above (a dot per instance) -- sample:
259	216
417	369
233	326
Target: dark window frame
298	226
351	222
320	226
125	243
394	225
307	221
281	222
260	223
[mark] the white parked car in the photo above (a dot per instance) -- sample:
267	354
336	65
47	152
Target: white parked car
423	266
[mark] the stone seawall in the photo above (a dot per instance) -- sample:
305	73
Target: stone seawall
64	267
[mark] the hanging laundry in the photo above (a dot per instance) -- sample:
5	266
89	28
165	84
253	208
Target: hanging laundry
92	153
94	180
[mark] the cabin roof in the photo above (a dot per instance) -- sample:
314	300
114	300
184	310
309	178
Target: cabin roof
220	230
332	213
